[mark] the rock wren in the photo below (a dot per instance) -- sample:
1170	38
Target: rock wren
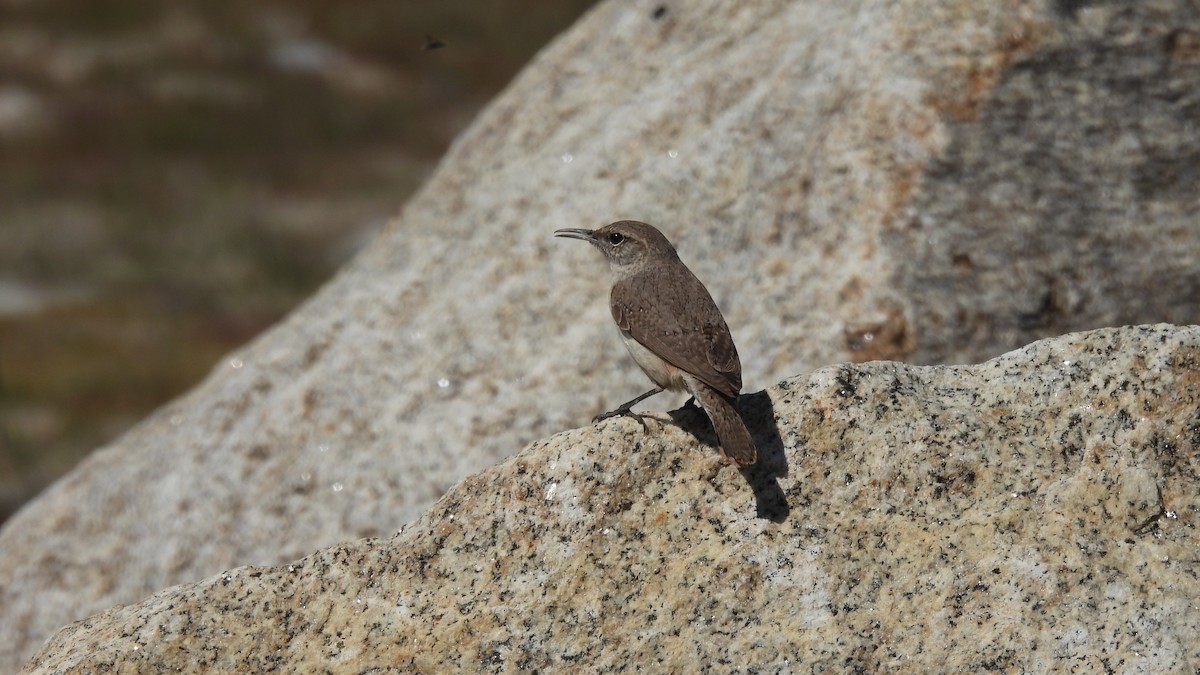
672	328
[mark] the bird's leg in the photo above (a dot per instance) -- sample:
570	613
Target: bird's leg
624	408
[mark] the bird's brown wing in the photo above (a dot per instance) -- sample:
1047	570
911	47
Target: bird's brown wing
677	319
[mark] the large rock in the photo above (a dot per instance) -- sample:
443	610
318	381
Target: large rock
921	181
1036	512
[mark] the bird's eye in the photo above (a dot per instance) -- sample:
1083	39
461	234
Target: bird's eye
616	238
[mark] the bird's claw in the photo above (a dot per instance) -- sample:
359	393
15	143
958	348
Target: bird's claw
620	412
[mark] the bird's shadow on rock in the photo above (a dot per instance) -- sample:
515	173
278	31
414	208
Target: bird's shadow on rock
763	476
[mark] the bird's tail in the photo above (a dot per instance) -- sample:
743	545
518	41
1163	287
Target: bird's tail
727	422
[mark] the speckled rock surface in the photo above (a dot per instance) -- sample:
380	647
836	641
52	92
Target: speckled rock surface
1039	511
920	181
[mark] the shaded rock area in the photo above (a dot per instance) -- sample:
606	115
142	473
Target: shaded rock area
902	181
1036	512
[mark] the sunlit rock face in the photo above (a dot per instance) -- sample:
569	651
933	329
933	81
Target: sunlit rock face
1028	514
921	182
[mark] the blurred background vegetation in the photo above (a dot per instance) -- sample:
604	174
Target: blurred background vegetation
175	175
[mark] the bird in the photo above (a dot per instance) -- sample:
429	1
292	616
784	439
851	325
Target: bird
672	327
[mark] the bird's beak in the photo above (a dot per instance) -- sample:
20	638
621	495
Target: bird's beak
575	233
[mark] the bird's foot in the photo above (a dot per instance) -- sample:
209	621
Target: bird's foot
626	408
623	411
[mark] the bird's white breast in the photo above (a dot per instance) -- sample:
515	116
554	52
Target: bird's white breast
664	374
